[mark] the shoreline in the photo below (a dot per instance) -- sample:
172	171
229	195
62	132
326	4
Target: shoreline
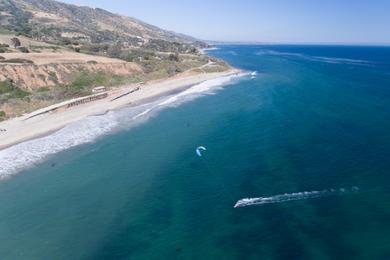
37	124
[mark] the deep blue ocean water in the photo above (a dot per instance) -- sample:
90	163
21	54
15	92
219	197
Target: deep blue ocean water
314	118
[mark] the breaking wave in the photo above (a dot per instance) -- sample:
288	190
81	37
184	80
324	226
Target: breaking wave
208	87
293	196
29	153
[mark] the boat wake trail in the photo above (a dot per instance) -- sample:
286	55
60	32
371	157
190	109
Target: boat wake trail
293	196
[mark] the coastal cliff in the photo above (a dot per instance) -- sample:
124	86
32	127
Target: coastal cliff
31	76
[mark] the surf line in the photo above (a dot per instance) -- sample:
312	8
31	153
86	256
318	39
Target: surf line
293	196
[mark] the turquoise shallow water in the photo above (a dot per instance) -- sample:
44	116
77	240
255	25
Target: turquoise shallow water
314	118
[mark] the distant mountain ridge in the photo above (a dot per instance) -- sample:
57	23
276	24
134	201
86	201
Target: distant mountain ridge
50	20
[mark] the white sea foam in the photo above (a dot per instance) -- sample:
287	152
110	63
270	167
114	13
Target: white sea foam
210	49
30	152
26	154
278	53
208	87
253	74
339	60
292	196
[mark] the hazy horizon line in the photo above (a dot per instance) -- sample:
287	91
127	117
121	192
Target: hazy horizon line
213	42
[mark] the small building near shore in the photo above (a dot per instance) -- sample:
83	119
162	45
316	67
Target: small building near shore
99	89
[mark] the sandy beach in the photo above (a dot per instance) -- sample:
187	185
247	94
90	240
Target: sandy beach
40	123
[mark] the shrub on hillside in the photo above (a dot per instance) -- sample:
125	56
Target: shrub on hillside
43	89
52	76
114	51
2	115
5	86
174	57
15	42
84	81
9	90
17	60
24	50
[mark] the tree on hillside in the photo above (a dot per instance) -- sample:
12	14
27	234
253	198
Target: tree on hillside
174	57
15	42
114	51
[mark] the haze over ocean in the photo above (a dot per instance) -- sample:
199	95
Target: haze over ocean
264	21
314	118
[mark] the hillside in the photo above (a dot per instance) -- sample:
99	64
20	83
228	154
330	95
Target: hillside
57	22
51	51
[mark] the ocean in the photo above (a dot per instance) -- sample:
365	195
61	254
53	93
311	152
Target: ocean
304	134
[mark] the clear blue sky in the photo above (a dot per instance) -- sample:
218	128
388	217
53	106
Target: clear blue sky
284	21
